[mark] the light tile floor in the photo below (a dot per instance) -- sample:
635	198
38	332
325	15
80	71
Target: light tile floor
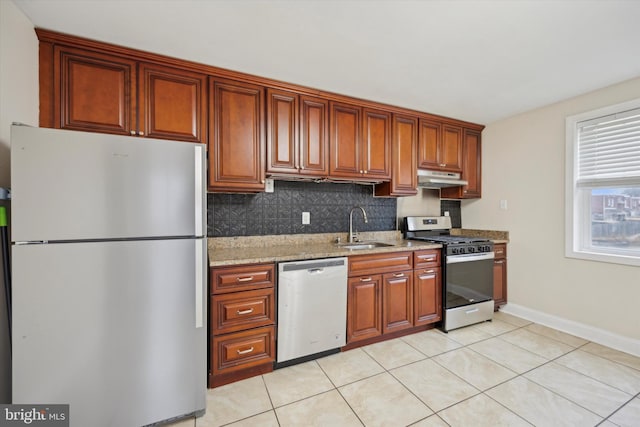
508	372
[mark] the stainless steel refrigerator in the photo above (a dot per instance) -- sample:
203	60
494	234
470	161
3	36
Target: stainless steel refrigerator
109	275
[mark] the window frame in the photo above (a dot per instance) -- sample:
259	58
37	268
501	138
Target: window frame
578	200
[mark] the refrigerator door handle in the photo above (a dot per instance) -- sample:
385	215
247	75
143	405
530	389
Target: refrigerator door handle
199	283
199	170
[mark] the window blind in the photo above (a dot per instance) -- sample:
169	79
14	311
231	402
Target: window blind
609	150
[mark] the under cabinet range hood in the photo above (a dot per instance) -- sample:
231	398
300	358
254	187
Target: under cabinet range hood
438	179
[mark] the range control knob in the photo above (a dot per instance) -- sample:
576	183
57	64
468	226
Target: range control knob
454	251
471	249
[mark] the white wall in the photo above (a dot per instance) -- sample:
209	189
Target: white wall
523	163
18	102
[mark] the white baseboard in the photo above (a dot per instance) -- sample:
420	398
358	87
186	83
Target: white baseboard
597	335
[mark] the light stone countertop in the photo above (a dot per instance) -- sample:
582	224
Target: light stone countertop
225	251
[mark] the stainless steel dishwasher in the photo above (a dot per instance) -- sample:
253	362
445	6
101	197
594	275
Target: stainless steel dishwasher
312	309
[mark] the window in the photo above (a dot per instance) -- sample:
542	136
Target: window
603	184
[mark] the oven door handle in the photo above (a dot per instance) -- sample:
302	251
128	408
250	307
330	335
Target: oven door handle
453	259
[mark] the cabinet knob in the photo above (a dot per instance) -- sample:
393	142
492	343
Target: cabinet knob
301	167
366	171
141	133
133	132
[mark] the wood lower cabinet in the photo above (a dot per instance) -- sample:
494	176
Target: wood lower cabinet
388	298
397	301
427	287
404	170
364	312
236	136
101	92
500	275
471	168
241	322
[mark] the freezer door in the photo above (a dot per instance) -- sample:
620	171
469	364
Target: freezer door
111	329
69	185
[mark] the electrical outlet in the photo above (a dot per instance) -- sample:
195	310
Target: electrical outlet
446	213
306	218
268	185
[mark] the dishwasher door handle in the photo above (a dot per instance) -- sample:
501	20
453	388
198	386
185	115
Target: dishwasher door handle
315	270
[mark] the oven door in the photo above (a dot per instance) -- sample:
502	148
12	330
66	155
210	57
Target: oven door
468	279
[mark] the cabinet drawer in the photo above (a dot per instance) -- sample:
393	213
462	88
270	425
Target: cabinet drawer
500	250
241	278
242	350
380	263
425	259
242	310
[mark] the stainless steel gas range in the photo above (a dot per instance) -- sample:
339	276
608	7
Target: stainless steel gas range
467	270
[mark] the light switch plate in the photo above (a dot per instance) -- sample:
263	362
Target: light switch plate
306	218
503	204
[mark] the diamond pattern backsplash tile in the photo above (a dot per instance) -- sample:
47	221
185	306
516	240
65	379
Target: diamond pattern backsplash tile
280	212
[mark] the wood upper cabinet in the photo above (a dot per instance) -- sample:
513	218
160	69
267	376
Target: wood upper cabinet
404	171
359	142
297	134
314	136
439	146
376	143
92	92
364	308
105	93
236	136
172	103
397	301
471	168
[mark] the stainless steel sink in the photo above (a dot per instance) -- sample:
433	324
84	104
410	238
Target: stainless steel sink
364	245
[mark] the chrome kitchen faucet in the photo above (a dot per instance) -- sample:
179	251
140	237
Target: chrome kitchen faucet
353	236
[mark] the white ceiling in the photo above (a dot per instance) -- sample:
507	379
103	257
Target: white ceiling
473	60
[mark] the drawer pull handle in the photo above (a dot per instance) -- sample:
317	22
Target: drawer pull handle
365	279
244	279
429	271
398	275
248	311
429	259
247	351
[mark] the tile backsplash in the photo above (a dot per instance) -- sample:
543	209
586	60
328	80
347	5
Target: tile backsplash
453	207
280	212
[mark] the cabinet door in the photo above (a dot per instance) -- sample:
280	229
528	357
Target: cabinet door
236	141
376	144
397	302
450	152
94	92
282	132
471	164
172	103
471	168
427	285
363	308
404	171
314	136
345	151
500	275
429	136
